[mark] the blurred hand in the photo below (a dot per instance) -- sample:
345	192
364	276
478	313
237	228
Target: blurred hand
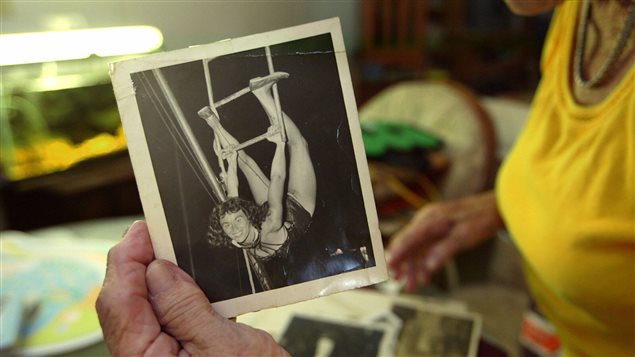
439	231
152	308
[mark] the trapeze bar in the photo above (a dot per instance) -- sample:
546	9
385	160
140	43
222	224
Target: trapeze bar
249	142
231	97
206	112
208	82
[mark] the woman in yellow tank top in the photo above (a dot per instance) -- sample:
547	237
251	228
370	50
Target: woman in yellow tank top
566	192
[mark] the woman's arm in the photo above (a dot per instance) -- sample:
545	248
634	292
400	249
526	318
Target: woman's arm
278	176
438	232
232	174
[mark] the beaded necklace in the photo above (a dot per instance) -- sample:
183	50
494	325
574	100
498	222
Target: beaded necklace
601	75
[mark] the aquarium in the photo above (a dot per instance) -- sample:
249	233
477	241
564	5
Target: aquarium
44	131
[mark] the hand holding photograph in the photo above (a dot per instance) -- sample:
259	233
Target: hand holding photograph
250	165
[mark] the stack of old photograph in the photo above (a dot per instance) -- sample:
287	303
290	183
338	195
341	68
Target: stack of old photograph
369	323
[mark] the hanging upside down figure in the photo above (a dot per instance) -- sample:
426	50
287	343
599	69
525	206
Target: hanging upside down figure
278	216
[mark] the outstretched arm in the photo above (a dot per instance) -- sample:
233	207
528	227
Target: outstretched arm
232	174
438	232
278	176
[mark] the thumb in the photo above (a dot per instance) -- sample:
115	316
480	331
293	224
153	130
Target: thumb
185	313
181	306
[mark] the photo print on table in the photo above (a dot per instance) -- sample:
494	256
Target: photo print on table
312	336
433	331
250	166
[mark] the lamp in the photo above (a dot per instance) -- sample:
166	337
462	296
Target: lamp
37	47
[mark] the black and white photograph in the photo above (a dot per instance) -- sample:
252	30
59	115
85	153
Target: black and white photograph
435	332
320	337
250	165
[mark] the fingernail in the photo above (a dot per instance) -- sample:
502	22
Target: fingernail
159	277
131	227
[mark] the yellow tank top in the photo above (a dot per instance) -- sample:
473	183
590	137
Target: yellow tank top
567	195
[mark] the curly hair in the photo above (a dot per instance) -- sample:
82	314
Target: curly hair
256	214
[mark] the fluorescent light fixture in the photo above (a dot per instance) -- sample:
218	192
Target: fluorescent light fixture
36	47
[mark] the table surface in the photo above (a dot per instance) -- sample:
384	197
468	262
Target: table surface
360	305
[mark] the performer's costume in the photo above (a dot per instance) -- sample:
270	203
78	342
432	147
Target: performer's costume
274	270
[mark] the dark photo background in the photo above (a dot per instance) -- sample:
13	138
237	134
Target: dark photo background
312	97
302	335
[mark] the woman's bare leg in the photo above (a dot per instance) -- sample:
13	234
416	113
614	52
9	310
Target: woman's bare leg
256	179
302	182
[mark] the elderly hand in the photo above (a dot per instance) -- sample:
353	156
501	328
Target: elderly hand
438	232
151	307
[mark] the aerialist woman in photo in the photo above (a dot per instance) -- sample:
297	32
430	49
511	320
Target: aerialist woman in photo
278	215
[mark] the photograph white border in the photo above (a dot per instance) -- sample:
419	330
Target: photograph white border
148	188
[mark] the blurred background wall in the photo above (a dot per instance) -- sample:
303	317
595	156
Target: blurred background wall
183	23
57	117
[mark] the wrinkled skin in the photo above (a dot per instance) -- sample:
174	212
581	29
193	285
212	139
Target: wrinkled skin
150	307
438	232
